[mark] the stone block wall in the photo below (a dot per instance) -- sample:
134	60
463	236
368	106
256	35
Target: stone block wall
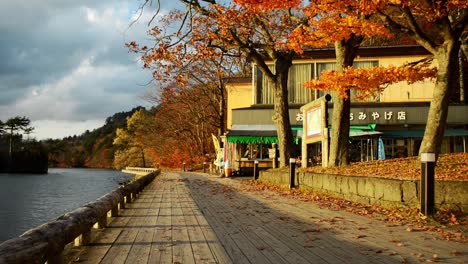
369	190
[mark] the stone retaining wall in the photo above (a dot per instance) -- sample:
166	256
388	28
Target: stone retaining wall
368	190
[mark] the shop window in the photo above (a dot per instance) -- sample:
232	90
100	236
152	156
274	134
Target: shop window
416	146
401	150
329	66
459	144
445	147
323	66
298	74
389	146
264	88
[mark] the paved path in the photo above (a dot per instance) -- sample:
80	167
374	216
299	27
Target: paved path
195	218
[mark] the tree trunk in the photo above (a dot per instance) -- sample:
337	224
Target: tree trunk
222	103
143	157
339	144
281	112
10	152
339	138
462	75
446	56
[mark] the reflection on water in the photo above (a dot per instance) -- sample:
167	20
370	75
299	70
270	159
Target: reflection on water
29	200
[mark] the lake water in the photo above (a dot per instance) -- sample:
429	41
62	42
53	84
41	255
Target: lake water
29	200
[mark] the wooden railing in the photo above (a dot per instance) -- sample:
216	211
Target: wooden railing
47	242
138	170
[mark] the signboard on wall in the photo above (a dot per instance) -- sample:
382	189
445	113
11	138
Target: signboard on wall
315	127
313	124
315	120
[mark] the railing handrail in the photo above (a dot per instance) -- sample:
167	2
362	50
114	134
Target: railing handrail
141	169
138	170
47	242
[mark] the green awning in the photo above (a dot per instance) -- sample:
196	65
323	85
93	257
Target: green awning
257	136
270	136
252	139
370	127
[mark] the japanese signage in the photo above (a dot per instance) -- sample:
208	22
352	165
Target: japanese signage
374	116
381	116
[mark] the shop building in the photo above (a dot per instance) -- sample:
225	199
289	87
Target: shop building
395	119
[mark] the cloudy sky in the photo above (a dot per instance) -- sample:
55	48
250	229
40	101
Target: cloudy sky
63	63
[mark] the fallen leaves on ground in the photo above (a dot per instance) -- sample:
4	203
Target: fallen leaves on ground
439	223
450	167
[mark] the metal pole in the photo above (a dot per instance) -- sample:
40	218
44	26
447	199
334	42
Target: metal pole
255	172
464	145
292	172
184	165
275	157
427	183
204	167
362	152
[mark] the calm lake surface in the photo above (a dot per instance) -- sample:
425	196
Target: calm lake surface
29	200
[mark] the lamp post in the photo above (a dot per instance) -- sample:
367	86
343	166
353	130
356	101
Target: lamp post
292	172
427	183
255	172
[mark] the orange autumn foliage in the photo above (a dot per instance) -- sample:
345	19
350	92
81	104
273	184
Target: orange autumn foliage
266	4
451	167
370	82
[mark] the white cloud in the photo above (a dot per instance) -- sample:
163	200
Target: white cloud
65	61
45	129
83	93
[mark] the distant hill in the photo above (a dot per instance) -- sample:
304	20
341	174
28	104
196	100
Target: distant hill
92	149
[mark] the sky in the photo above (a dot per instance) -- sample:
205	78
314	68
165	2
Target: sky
63	63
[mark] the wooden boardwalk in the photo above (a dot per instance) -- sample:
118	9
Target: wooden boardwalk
194	218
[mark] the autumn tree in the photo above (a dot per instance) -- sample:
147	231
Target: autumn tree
440	27
343	24
208	28
131	141
13	126
192	107
185	121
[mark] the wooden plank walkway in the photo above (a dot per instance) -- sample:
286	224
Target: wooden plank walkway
197	218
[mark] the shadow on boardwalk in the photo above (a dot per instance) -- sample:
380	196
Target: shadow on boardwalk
195	218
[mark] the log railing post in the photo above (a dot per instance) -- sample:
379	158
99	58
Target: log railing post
102	222
83	239
115	211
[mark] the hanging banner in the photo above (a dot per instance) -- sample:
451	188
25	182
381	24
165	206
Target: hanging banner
219	161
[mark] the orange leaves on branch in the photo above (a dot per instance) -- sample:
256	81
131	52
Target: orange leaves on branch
370	82
266	4
327	30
